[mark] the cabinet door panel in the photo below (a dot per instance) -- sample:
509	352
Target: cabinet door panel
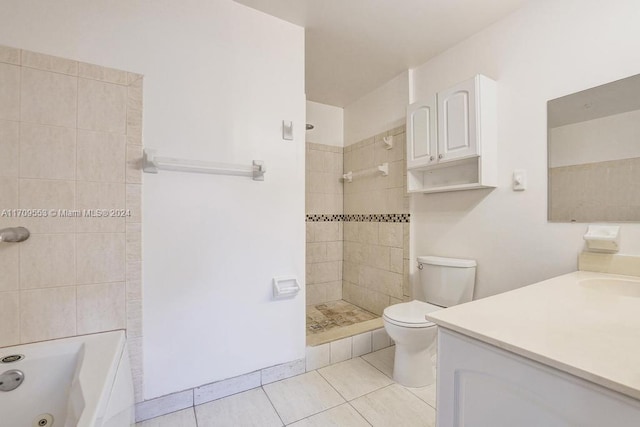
480	385
457	136
421	133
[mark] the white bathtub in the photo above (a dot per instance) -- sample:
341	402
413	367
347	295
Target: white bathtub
82	381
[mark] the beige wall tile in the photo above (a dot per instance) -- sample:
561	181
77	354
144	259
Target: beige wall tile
47	152
323	272
395	260
315	161
101	196
134	289
368	232
49	63
406	279
134	202
134	318
9	147
334	251
9	266
133	77
334	291
315	294
381	281
100	257
101	307
48	98
47	195
97	72
351	272
394	200
316	252
9	55
134	271
390	234
134	112
8	200
47	314
101	156
327	232
9	92
134	242
48	260
102	106
134	164
9	319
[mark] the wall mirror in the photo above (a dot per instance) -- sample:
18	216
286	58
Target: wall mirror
594	154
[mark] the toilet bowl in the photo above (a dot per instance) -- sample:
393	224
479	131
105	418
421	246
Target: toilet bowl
443	282
415	339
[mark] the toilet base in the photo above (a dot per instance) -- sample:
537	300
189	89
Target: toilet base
413	367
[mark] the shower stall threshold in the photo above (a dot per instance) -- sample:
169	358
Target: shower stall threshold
335	320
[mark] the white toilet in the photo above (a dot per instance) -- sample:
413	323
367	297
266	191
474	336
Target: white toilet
443	282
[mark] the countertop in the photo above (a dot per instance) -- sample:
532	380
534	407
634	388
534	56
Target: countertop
562	323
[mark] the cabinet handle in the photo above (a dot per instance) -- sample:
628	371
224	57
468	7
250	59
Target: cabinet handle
440	156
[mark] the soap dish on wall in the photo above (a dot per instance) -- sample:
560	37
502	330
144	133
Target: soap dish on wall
285	286
603	238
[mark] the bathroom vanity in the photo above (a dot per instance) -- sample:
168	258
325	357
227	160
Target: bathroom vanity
562	352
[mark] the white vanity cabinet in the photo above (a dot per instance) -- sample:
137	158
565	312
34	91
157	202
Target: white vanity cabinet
451	138
480	385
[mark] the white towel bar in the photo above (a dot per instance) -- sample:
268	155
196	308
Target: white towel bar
152	164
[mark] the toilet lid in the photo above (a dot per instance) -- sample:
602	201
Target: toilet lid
412	312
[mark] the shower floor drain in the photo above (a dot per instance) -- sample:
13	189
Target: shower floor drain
43	420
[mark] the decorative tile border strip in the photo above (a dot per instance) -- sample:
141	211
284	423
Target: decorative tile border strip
324	217
404	218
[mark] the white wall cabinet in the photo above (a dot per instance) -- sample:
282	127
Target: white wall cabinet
451	139
480	385
422	146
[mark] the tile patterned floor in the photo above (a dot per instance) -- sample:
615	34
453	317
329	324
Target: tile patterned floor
335	314
354	393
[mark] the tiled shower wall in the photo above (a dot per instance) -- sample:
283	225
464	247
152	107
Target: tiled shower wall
324	199
358	232
376	231
70	140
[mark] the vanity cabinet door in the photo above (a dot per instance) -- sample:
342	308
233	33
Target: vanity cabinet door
421	133
457	122
480	385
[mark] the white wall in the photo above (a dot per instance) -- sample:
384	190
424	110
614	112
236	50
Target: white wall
603	139
219	79
377	111
328	122
548	49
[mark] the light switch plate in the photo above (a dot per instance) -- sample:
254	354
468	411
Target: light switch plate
519	180
287	130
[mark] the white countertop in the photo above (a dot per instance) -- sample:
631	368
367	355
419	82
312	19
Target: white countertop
562	323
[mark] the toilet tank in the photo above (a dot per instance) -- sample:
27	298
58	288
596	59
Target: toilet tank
445	281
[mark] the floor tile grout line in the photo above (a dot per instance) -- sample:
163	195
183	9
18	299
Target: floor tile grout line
195	414
272	405
326	409
347	400
383	373
329	382
359	413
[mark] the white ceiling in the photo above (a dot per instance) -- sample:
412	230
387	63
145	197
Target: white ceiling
354	46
